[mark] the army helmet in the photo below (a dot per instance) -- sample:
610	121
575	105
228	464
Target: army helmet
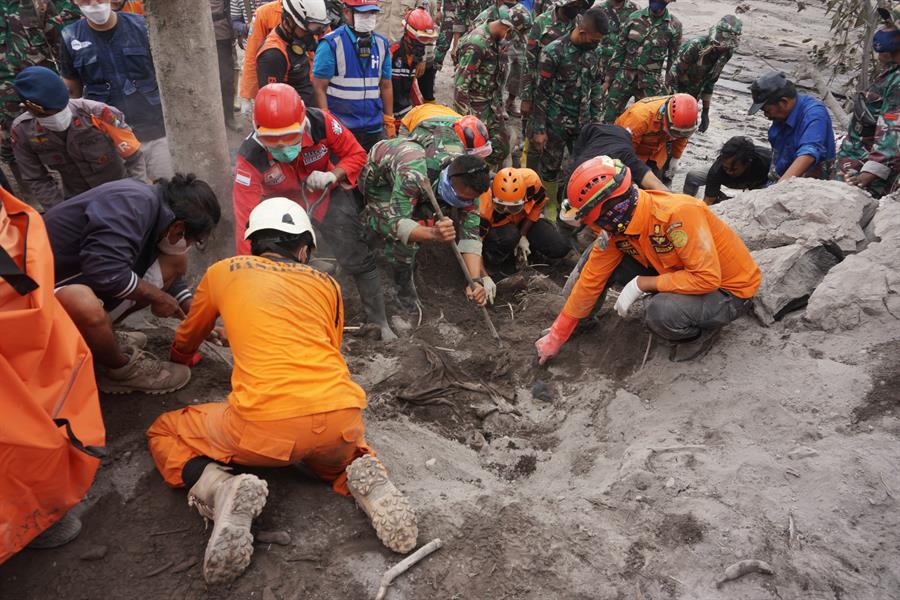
727	32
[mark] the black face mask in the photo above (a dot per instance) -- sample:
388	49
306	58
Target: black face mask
571	11
588	46
418	52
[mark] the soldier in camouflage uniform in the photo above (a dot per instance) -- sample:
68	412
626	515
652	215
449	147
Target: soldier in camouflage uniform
29	36
394	181
870	154
480	76
514	50
452	26
568	94
701	60
618	12
648	42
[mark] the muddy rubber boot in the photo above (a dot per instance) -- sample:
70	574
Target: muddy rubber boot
388	509
232	502
62	532
143	373
407	297
370	292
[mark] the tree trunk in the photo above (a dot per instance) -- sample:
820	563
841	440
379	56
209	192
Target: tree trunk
187	67
865	66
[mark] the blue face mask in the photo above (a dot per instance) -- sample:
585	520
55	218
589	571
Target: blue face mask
886	40
285	154
656	6
448	194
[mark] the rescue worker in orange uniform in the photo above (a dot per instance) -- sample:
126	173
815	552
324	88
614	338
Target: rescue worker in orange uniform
512	222
284	56
292	397
265	19
698	272
657	123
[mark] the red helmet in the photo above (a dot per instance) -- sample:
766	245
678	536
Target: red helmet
420	26
681	115
592	183
474	136
279	114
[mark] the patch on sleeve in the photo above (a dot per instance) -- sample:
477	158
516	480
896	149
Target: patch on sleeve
679	238
242	178
336	128
889	116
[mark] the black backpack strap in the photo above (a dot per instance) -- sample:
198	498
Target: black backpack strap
95	451
10	271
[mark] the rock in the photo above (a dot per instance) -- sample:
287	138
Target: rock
830	213
282	538
95	553
400	324
430	462
476	440
670	483
541	391
802	452
790	275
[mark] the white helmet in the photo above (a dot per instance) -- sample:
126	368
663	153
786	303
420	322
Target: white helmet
303	12
280	214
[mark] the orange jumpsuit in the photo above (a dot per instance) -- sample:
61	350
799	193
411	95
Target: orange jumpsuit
535	200
644	120
265	19
693	251
292	398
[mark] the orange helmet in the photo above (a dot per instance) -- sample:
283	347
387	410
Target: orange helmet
680	118
592	183
509	187
279	114
420	26
474	136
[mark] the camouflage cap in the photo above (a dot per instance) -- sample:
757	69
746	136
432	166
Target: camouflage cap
727	31
890	15
503	15
520	18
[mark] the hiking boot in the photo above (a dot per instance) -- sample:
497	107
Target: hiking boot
407	297
372	297
132	340
232	502
511	109
143	373
695	348
388	509
62	532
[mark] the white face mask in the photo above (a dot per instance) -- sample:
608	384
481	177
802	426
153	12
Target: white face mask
167	247
98	14
58	122
364	22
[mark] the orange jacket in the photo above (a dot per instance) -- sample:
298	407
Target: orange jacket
534	205
133	6
693	251
644	121
47	389
285	322
265	19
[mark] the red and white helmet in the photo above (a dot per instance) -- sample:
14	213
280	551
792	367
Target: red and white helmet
592	183
419	26
474	135
279	115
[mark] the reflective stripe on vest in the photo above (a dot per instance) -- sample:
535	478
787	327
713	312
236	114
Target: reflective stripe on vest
354	94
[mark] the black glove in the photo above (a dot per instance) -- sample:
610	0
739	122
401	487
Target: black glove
704	121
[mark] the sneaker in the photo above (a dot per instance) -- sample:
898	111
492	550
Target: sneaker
133	340
388	509
62	532
695	348
143	373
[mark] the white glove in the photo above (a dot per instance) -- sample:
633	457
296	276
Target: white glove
490	288
523	250
670	170
320	180
246	106
629	294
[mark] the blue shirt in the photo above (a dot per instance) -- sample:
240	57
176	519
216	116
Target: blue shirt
806	131
325	64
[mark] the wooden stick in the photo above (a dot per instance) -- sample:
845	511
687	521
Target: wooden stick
462	263
401	567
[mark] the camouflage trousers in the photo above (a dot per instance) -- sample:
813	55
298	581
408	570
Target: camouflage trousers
445	38
492	117
516	55
549	161
376	215
628	83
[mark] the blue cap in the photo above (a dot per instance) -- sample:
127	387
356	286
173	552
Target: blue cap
43	87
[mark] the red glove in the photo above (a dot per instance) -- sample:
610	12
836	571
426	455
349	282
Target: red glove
549	345
185	359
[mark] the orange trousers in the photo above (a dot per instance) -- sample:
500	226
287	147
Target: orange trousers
326	442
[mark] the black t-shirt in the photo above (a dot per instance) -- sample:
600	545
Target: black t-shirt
755	177
605	140
271	67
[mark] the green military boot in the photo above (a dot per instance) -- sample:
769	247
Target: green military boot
407	297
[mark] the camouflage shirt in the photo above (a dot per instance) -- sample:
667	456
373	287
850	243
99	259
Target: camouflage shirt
393	181
481	72
698	67
647	43
547	27
569	90
617	18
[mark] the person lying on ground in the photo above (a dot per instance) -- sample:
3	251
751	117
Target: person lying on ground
396	182
307	155
292	397
698	273
118	248
86	143
801	135
869	156
660	129
423	122
741	165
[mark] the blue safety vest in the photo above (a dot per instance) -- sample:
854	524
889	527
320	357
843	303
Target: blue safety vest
354	95
119	71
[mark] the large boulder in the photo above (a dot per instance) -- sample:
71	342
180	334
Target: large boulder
829	213
866	286
790	274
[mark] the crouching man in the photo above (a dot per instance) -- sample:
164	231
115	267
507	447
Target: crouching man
292	400
699	272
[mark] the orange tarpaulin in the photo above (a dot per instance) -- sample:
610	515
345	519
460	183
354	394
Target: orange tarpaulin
51	430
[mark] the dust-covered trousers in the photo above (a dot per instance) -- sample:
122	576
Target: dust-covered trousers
628	83
449	27
543	238
516	53
549	161
325	442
